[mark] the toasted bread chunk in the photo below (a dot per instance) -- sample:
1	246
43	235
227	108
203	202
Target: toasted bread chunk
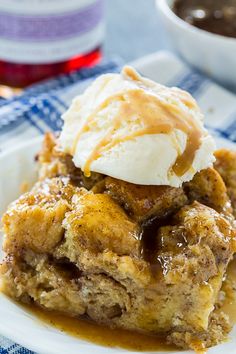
197	227
34	221
53	162
226	166
218	327
143	202
208	188
193	254
97	223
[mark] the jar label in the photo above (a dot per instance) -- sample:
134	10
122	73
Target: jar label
41	37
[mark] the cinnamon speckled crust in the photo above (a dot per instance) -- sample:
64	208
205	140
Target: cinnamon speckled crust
226	166
35	220
52	162
144	202
209	188
97	223
79	251
218	326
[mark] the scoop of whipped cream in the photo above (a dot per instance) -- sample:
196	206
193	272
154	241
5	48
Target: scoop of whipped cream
136	130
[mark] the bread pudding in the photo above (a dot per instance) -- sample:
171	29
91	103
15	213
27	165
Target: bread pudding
145	257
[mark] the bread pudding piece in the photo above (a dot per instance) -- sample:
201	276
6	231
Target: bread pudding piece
208	188
96	223
30	276
226	166
144	202
74	251
34	221
52	162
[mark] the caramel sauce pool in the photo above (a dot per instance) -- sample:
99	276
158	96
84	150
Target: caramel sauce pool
101	335
98	334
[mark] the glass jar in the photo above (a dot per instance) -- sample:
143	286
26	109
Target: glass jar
43	38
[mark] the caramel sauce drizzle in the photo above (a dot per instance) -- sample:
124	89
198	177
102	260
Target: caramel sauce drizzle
138	107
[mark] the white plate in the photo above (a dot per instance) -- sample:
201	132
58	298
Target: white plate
17	166
15	322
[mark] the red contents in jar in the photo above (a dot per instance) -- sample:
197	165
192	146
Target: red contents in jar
21	75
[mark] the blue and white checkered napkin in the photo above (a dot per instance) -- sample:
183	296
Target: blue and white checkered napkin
40	107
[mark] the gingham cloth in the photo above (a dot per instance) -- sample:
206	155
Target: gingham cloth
40	107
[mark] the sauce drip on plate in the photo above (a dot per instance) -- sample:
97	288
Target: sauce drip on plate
87	330
101	335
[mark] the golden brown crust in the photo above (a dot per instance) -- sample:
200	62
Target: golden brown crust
144	202
97	223
34	221
208	188
226	166
218	326
52	162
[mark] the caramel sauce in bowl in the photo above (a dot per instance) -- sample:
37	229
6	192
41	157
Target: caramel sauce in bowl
209	48
215	16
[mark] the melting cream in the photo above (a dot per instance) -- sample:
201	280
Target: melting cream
167	118
133	108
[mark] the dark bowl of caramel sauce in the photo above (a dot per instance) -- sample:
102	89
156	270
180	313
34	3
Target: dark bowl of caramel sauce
215	16
203	32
